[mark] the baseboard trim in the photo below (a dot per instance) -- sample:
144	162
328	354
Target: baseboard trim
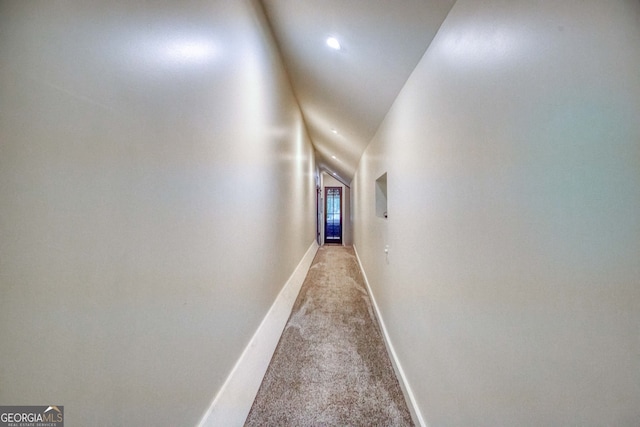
416	415
233	402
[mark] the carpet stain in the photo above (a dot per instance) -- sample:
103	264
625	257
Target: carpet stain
331	367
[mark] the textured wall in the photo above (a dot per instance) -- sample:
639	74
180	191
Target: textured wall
511	290
152	158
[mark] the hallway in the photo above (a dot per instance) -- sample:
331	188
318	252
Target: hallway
331	366
163	168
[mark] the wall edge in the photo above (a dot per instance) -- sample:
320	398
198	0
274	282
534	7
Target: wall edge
233	401
416	414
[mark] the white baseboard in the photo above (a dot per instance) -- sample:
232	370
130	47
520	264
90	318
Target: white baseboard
233	402
416	415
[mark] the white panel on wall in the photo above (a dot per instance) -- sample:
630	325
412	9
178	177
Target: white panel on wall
381	196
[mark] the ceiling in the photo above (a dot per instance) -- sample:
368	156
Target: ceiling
345	94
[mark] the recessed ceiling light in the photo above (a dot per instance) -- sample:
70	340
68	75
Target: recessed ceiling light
334	131
333	43
334	157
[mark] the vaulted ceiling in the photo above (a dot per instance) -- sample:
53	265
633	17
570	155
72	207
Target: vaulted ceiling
345	93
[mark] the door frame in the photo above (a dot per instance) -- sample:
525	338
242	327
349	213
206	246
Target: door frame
326	212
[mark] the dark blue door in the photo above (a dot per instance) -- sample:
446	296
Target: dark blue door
333	215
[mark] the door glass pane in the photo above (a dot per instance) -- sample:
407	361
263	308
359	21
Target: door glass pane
333	226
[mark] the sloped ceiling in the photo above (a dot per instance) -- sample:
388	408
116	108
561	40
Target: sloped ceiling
345	94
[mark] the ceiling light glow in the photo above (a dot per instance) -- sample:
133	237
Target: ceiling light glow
333	43
334	131
189	51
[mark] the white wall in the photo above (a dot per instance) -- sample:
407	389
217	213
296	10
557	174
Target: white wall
152	158
511	292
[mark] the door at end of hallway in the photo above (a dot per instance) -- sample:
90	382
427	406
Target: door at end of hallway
333	215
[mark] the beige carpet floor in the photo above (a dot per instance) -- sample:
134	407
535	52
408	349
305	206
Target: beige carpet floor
331	367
